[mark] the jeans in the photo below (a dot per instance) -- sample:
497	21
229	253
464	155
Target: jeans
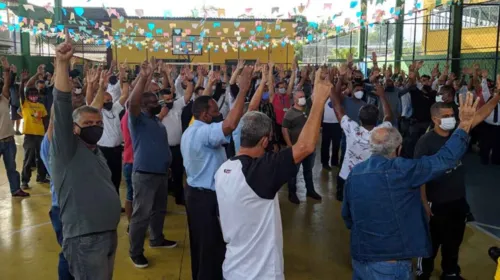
31	147
331	135
8	150
127	173
149	209
91	256
397	270
63	267
307	167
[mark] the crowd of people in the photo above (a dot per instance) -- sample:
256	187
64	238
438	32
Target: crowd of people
238	135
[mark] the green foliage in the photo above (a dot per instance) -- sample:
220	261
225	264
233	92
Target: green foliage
343	53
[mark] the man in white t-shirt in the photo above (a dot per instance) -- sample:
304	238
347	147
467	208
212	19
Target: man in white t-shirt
330	135
357	135
170	117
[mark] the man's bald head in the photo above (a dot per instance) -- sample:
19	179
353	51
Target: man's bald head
385	141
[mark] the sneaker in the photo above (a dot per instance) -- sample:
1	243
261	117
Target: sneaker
164	244
25	186
314	195
43	181
494	253
327	168
140	261
20	193
293	198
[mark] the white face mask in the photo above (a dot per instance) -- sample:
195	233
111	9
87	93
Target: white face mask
439	98
302	101
359	94
448	123
282	90
213	87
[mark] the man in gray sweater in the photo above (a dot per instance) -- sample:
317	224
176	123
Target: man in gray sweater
90	206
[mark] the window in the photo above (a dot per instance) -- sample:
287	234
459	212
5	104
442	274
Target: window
480	16
439	19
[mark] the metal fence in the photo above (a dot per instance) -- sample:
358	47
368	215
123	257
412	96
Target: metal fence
426	36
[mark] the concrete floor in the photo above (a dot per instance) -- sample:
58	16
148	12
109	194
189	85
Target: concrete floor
316	242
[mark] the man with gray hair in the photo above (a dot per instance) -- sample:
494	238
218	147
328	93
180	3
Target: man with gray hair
382	205
89	204
246	188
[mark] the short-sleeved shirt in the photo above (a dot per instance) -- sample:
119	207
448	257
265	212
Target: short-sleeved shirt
448	187
203	153
294	121
173	122
150	144
33	114
281	104
357	144
128	151
112	134
250	215
6	127
352	106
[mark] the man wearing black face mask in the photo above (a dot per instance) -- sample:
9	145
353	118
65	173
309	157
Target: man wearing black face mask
152	158
90	209
203	153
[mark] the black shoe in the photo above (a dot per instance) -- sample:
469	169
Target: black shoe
43	181
20	193
25	186
180	201
140	261
164	244
469	218
293	198
327	168
123	210
314	195
494	253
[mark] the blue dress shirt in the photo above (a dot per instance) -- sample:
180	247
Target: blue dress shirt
203	153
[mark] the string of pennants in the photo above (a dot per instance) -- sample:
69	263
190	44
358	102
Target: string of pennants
258	38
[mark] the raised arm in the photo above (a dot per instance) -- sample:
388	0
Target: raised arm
103	85
257	97
124	84
306	143
188	93
135	98
335	95
380	92
213	77
40	71
237	71
6	78
21	91
487	108
63	140
233	118
291	83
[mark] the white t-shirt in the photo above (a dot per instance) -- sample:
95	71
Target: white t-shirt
115	91
357	144
112	135
329	113
173	124
6	127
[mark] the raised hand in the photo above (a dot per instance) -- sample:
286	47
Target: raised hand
13	68
265	74
223	68
104	79
467	110
241	64
146	69
246	78
92	76
322	88
64	51
379	90
5	64
484	74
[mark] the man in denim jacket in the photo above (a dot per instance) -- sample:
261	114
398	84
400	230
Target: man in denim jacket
382	205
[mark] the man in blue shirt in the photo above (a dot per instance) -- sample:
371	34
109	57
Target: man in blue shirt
382	205
203	153
152	158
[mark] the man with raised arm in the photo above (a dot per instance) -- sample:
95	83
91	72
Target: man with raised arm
246	188
89	204
152	159
382	205
203	153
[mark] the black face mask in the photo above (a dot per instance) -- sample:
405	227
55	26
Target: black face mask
169	105
427	89
91	134
217	119
389	88
113	80
155	110
269	148
108	106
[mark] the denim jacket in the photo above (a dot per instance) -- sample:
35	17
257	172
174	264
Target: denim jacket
382	205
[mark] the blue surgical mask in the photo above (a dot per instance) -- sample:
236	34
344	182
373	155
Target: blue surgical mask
265	96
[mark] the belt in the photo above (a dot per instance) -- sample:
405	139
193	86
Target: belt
7	139
201	189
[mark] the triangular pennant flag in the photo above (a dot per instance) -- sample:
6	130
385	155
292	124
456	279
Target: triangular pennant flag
48	21
28	7
275	10
139	12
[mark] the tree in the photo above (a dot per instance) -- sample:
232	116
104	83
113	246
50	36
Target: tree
378	33
343	53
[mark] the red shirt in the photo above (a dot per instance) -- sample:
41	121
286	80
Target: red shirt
280	103
128	152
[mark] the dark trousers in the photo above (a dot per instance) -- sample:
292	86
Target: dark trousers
447	227
177	169
340	188
331	135
8	151
343	147
307	167
113	157
63	267
31	147
416	130
489	144
205	235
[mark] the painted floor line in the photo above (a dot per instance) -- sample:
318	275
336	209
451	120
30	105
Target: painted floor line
24	229
487	225
476	226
